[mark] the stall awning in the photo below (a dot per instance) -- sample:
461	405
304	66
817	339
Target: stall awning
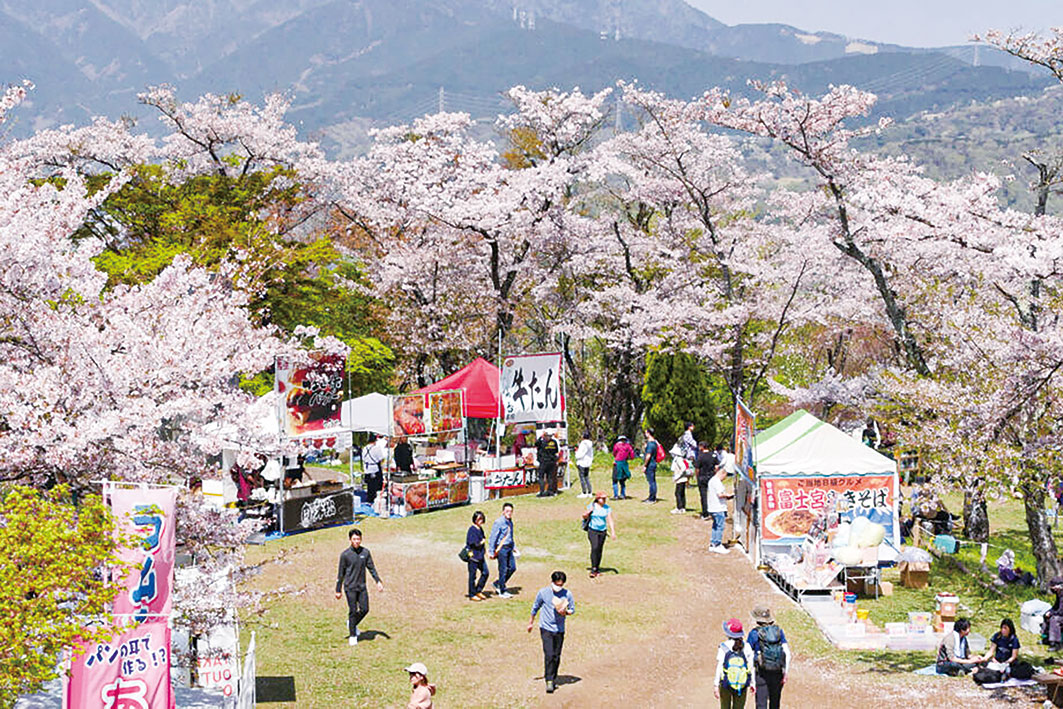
371	413
479	379
801	443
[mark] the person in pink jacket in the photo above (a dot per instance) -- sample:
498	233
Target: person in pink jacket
622	453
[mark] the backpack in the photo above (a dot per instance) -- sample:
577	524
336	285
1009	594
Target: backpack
771	656
659	453
735	671
984	675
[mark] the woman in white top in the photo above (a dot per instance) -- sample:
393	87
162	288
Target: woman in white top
680	476
584	460
735	671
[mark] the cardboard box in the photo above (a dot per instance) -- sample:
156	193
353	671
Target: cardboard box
914	574
886	588
946	605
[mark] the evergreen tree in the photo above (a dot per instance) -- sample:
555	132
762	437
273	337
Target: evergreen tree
675	391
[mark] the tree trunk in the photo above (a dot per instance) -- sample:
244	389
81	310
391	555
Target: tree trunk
1041	539
975	513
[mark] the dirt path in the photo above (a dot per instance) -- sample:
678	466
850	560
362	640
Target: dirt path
674	668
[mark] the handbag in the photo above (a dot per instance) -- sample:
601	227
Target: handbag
464	554
585	523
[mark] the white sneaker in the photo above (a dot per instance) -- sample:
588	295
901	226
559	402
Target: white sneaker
719	549
677	512
584	495
353	640
505	594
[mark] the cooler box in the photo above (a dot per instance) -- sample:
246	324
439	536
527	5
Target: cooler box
946	605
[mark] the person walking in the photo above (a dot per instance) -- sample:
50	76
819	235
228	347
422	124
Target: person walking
553	604
705	465
689	445
650	462
735	673
547	456
716	504
622	453
680	475
421	695
599	518
355	560
771	655
475	542
501	545
584	461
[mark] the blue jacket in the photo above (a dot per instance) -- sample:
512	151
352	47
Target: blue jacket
499	530
544	606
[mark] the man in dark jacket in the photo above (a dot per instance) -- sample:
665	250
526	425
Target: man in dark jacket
547	454
350	579
706	464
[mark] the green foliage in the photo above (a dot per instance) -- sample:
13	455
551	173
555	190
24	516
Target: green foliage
677	390
256	227
50	553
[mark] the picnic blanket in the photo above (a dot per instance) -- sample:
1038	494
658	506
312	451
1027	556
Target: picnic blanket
1012	682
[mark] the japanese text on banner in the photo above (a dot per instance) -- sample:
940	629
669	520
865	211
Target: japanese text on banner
789	505
147	515
531	388
132	671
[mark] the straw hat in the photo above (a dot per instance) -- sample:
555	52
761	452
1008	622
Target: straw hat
733	628
419	668
762	614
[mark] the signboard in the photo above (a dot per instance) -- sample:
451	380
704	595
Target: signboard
218	659
530	388
408	415
309	393
315	511
445	411
146	514
130	671
790	504
510	477
745	429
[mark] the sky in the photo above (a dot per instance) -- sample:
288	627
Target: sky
914	23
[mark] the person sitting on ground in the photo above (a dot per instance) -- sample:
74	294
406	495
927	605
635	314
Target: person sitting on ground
954	655
421	697
1053	619
1009	573
1004	647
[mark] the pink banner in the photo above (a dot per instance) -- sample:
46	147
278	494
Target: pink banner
131	671
148	515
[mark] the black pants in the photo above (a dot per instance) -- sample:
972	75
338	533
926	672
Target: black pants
597	540
548	478
703	490
952	668
357	608
477	566
373	484
769	689
681	496
584	480
552	643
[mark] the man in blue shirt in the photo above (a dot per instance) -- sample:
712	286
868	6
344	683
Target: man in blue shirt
500	546
553	604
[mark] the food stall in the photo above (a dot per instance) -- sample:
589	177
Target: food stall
433	425
815	483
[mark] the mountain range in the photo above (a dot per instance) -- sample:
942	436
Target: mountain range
354	62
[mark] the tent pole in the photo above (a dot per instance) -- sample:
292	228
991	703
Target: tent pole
498	421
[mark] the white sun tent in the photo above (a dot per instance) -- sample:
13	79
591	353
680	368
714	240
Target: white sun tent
370	413
801	459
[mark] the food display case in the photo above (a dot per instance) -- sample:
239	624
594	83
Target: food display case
431	490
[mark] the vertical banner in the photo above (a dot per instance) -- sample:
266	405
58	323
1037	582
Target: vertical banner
246	699
131	671
530	388
745	428
309	392
147	514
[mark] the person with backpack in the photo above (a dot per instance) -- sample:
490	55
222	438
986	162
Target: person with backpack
653	455
771	655
735	672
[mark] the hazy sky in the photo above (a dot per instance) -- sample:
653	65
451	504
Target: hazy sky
917	23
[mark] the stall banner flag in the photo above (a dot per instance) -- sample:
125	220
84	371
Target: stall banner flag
146	514
745	429
790	504
130	671
309	392
446	411
218	659
530	388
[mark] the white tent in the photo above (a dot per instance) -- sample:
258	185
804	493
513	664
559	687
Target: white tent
371	413
803	448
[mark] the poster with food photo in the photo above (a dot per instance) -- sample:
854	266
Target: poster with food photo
445	411
408	415
789	505
309	392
